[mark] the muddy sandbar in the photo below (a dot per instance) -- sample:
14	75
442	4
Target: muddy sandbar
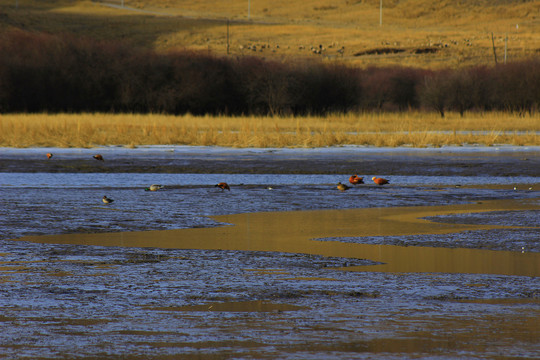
295	231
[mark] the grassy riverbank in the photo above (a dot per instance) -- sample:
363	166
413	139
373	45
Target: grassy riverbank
376	129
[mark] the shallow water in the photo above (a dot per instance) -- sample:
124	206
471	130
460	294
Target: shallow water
69	300
446	161
88	301
53	203
130	180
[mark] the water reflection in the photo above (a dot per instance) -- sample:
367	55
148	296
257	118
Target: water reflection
295	231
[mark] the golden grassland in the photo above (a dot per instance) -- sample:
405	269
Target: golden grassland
458	31
377	129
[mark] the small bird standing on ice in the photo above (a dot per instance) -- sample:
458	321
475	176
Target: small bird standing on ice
223	186
342	187
107	200
98	157
379	181
49	155
355	180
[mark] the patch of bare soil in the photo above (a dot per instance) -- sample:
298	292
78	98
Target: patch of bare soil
391	50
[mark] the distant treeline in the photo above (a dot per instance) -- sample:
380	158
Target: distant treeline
50	73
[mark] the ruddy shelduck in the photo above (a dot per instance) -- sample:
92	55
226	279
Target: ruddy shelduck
107	200
154	187
379	181
49	155
98	157
223	186
342	187
355	180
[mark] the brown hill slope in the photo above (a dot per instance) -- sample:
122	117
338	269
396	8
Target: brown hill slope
446	33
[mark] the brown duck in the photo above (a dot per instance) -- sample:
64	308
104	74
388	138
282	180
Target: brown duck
223	186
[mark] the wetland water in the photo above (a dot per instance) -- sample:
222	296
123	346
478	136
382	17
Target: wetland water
443	262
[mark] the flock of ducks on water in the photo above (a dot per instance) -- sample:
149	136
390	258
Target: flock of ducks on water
356	180
353	180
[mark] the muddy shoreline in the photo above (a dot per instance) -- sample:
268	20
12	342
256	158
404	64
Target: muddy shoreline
438	162
295	232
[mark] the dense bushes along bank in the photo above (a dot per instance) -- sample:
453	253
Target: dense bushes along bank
46	73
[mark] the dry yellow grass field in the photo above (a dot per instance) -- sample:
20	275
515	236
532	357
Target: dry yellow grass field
403	129
423	33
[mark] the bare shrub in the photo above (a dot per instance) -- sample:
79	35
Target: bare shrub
459	89
264	85
403	87
434	91
64	73
516	86
203	84
323	89
375	89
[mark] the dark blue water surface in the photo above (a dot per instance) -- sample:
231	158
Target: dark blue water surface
72	301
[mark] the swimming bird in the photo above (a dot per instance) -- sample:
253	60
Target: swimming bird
223	186
98	157
107	200
379	181
355	180
153	187
49	155
342	187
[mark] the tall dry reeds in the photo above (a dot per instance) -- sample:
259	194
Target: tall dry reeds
382	129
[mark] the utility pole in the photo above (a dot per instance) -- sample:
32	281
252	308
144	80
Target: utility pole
494	52
227	36
380	14
505	47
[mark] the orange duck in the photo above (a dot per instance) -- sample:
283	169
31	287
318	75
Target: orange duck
355	180
379	181
98	157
